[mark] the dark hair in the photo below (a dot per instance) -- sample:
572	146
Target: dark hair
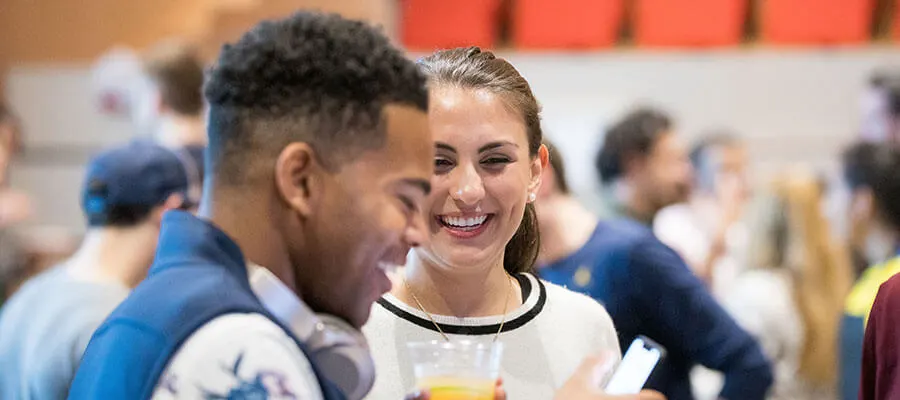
634	135
885	184
858	164
558	168
177	70
311	77
121	216
475	69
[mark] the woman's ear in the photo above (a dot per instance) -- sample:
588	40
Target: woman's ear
296	177
537	168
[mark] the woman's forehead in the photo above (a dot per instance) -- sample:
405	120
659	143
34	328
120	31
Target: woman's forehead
473	115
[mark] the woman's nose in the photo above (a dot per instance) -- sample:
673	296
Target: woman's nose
469	188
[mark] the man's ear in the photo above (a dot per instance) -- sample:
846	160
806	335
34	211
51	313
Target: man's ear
297	177
632	164
174	201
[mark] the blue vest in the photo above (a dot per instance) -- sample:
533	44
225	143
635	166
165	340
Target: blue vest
199	274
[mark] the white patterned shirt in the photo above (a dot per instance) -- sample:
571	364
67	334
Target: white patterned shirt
245	355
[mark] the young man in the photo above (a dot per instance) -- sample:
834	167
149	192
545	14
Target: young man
706	230
46	325
319	156
870	171
647	289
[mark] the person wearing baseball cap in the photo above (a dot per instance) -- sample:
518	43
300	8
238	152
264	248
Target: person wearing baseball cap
47	324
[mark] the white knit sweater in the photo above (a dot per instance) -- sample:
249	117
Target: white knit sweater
544	339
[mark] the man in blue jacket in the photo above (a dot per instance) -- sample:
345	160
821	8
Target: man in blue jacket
319	157
646	287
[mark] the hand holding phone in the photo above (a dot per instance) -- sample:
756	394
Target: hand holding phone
585	382
641	358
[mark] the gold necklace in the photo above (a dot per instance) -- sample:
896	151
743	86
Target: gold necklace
441	331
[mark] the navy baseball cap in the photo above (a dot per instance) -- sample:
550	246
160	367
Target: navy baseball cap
137	174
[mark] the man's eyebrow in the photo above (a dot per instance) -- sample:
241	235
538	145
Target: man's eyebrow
445	146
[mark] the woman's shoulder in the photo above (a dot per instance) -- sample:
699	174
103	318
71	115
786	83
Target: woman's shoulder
568	303
585	321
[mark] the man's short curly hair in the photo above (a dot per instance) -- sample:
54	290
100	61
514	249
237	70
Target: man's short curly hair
314	78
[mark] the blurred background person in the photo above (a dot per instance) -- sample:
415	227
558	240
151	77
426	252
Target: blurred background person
15	205
791	296
707	230
644	165
159	91
645	286
15	208
879	378
46	326
871	172
171	108
881	107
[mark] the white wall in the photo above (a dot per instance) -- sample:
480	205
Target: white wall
792	106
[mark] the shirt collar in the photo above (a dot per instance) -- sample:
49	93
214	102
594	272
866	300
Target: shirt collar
186	239
281	301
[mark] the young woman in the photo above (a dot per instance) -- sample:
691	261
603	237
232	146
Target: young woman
471	280
792	298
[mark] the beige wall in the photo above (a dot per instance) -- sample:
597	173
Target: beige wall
793	107
66	31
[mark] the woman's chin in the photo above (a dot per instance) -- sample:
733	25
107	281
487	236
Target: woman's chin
467	257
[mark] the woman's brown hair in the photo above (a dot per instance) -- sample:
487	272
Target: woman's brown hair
472	68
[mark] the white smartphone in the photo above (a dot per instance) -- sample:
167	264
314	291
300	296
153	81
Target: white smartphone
631	374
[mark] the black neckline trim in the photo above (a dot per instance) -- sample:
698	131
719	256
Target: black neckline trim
479	329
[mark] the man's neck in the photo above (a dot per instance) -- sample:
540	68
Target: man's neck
636	205
181	130
252	229
566	225
114	255
449	291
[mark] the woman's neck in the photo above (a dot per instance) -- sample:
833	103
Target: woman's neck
449	291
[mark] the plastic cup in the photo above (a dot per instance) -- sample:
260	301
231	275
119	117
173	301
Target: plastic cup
456	370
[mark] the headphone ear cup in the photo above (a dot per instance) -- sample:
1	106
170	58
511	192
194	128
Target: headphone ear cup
342	354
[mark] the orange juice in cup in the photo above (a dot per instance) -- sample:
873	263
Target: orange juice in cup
458	388
463	370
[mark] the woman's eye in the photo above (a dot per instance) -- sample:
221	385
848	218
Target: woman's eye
497	160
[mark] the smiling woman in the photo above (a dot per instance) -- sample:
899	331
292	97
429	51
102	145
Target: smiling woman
471	279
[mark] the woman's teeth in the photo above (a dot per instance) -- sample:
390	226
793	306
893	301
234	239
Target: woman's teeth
458	222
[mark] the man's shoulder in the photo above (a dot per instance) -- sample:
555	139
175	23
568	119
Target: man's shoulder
624	231
239	353
238	329
890	290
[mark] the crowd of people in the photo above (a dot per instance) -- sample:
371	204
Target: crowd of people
298	212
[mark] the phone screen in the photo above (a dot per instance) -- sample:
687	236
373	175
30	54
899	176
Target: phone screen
632	373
